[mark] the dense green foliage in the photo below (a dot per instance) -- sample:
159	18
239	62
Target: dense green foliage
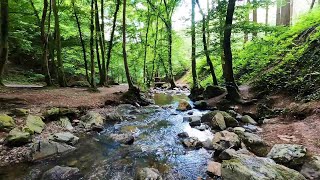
288	60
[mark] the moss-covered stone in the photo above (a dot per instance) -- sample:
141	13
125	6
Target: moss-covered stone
35	123
17	137
245	167
6	122
20	112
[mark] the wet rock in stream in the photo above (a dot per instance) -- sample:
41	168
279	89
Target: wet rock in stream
62	173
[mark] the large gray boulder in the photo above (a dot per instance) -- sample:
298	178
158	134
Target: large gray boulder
228	119
17	137
224	139
244	167
65	123
248	119
311	169
91	119
148	174
43	149
218	122
6	122
291	155
62	173
213	91
35	123
65	137
254	143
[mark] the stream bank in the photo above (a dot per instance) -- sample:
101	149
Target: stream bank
128	142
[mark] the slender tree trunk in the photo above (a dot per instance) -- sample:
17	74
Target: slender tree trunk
278	15
154	51
221	35
110	45
100	41
93	83
44	39
82	42
130	83
146	48
61	77
286	13
193	48
255	19
171	78
205	46
267	17
312	4
231	85
208	22
97	41
246	34
4	47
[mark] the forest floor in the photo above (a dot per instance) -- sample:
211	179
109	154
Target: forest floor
41	97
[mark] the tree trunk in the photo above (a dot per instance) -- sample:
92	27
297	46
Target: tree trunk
193	48
205	46
130	83
145	48
100	41
221	36
255	19
93	83
110	45
246	34
171	78
278	15
286	13
61	77
231	85
154	51
82	42
4	49
312	4
267	17
97	41
44	39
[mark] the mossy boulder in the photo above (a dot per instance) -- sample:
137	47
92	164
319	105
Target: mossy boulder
17	137
311	169
65	123
6	122
244	167
218	122
35	123
201	105
91	119
229	120
291	155
213	91
254	143
223	140
56	113
248	119
20	112
184	105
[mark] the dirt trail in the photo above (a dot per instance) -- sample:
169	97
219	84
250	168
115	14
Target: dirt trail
57	97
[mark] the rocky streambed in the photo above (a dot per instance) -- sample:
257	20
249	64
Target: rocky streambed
172	139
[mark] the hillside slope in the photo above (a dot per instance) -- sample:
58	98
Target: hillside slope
287	61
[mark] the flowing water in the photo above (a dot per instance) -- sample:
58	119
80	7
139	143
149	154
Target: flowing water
156	145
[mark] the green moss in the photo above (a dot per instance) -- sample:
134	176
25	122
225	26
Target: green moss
6	122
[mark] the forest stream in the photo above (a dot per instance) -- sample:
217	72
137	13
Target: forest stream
156	144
